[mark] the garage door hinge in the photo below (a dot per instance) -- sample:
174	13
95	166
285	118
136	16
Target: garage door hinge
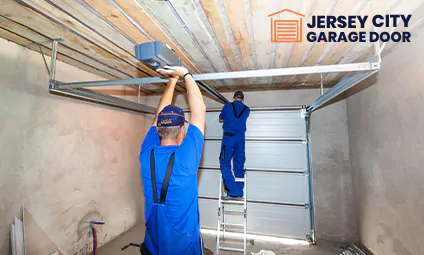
303	113
307	206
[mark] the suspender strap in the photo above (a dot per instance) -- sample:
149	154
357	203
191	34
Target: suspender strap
234	110
153	176
166	179
242	111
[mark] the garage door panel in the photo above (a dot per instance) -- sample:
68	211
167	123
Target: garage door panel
262	124
261	155
278	220
272	124
275	220
288	188
277	187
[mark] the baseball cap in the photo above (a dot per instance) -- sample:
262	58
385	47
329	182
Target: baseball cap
239	94
171	116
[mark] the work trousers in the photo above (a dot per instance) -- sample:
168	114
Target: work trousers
232	149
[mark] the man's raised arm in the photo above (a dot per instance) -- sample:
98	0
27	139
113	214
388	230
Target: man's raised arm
195	98
166	98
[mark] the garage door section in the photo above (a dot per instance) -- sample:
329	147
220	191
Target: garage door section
277	168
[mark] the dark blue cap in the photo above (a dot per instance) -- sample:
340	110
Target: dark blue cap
239	94
171	116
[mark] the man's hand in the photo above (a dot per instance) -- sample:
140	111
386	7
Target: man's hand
173	70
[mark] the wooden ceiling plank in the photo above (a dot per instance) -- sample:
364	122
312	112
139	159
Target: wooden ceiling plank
117	19
238	21
47	51
96	23
111	29
136	12
322	51
42	25
283	50
82	30
301	48
364	51
415	23
260	11
63	49
301	51
218	27
190	16
170	23
358	49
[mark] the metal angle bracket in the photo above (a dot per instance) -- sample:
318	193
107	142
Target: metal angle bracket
303	113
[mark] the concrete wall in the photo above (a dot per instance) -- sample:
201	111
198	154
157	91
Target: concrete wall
334	215
68	161
386	124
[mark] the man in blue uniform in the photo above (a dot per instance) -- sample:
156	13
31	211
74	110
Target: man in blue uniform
169	162
233	116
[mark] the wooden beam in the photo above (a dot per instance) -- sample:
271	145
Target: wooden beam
5	34
238	21
218	27
118	19
262	39
137	13
32	36
357	49
301	51
190	16
283	50
65	19
364	51
322	51
42	24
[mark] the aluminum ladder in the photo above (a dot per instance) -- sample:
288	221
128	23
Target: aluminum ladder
222	225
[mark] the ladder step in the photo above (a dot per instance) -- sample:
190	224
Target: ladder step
233	212
232	224
239	179
232	202
230	249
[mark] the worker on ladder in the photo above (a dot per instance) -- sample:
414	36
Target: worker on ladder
169	162
233	116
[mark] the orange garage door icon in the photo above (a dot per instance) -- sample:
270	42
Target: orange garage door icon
286	30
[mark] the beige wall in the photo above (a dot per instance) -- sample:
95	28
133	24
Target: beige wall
68	161
334	214
386	125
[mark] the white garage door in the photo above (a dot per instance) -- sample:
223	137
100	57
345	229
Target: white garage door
277	166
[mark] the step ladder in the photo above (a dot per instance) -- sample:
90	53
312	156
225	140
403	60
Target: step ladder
224	226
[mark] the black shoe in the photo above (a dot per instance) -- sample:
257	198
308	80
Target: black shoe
232	198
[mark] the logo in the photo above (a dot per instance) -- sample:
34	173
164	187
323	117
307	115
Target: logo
166	121
286	30
338	28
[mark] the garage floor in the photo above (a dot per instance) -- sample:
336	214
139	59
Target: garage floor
136	235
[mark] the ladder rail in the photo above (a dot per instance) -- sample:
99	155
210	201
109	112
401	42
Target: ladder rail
221	217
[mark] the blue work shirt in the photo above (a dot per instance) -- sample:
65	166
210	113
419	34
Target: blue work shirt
182	197
231	123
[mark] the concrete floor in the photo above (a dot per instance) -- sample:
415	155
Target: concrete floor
136	235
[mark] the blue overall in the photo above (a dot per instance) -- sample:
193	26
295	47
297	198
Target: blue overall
172	217
234	116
